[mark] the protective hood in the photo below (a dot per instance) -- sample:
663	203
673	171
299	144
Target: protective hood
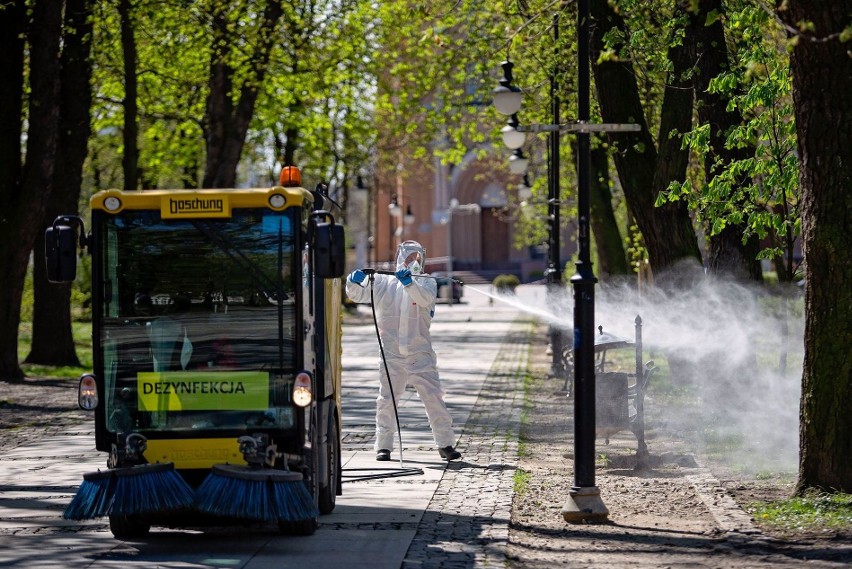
411	255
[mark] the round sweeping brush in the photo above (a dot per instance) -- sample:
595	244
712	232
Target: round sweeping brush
127	491
148	489
93	498
262	494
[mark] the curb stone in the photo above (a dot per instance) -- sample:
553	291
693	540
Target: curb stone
727	513
467	521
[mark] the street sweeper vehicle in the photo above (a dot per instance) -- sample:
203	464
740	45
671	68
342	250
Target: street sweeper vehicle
217	356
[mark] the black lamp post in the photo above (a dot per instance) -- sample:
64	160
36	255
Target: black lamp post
553	273
407	218
395	211
368	215
584	503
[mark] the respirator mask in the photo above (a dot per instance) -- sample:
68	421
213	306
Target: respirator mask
412	256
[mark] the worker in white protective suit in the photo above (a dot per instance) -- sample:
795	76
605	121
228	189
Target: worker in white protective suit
404	307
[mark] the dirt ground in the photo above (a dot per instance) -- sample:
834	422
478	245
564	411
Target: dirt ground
31	408
680	512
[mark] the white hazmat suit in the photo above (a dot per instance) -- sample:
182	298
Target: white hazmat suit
404	307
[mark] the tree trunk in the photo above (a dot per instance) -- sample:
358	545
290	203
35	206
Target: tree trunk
130	159
226	123
727	254
12	26
53	342
610	245
12	22
667	230
23	218
822	82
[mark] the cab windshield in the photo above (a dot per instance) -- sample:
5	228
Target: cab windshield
197	321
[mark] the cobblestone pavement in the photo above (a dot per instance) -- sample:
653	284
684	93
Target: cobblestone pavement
467	521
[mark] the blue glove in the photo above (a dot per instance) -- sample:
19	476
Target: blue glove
404	276
358	276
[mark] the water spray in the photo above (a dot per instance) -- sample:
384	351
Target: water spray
515	303
712	330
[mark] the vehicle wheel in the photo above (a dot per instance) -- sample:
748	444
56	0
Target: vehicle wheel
328	493
299	528
128	527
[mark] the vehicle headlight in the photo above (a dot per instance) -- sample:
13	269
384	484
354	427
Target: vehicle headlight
302	394
87	395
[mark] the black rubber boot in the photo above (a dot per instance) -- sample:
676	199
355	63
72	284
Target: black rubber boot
449	453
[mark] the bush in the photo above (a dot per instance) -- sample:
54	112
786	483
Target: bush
506	283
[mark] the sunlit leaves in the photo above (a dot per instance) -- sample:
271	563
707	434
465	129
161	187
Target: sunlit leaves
321	84
763	186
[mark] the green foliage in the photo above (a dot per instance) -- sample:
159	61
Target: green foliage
637	254
350	83
813	511
530	216
760	191
172	64
81	292
506	283
435	65
315	100
27	299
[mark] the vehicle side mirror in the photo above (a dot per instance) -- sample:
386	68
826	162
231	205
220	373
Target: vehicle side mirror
329	248
60	251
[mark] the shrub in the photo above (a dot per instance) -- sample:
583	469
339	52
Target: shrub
506	283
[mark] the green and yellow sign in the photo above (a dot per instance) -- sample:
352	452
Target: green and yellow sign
203	391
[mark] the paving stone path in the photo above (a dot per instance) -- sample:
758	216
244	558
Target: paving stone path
467	521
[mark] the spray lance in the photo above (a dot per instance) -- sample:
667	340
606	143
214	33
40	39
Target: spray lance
371	272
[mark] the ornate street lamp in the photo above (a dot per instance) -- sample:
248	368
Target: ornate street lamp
364	236
507	97
518	162
400	219
393	207
512	137
524	189
393	224
584	503
453	207
507	100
